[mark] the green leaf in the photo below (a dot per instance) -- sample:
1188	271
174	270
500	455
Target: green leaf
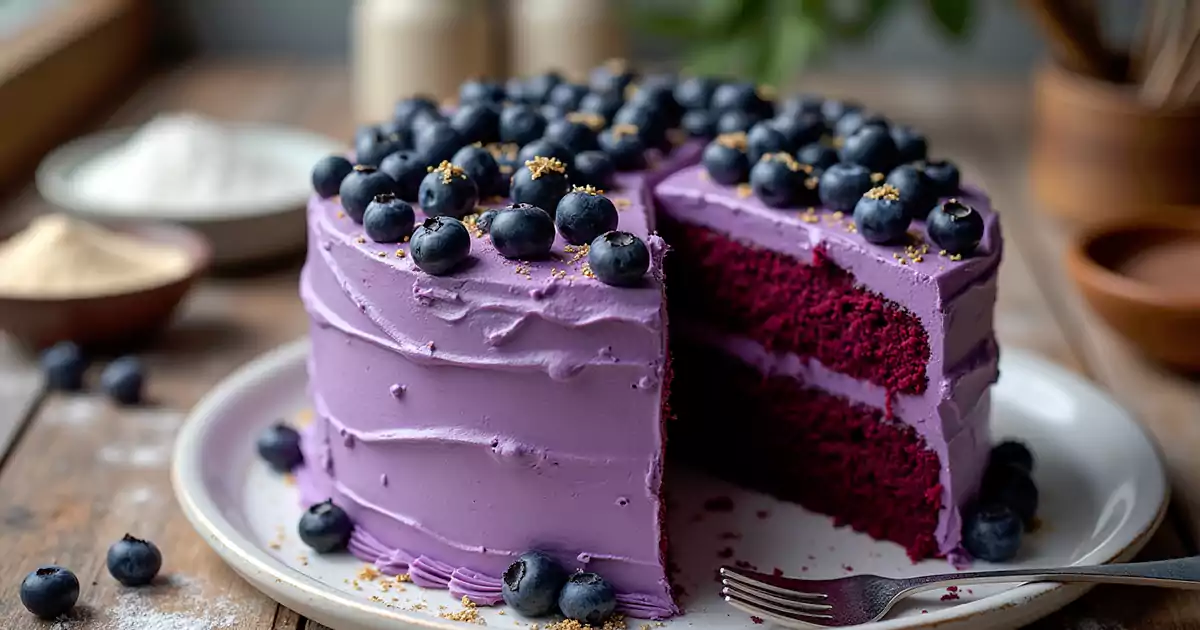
854	27
954	16
797	41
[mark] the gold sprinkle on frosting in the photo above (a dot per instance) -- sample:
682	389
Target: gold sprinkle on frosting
540	165
736	140
594	121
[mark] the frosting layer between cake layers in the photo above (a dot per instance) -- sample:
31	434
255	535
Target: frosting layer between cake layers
523	398
950	300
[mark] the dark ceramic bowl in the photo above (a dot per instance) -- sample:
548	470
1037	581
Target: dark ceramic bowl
108	321
1143	279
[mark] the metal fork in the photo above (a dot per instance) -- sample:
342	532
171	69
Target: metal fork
864	598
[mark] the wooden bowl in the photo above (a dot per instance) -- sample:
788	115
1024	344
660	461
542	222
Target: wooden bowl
114	321
1143	279
1101	155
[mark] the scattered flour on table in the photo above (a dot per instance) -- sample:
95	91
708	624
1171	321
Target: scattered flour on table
179	604
143	438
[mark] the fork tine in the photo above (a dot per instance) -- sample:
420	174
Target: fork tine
760	582
784	617
790	604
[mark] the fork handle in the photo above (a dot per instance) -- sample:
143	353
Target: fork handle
1177	573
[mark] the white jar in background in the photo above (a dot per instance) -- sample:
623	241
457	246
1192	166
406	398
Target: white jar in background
572	36
406	47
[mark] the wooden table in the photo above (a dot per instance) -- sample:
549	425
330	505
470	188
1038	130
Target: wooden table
77	473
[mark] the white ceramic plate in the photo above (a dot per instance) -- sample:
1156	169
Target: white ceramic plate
240	233
1103	493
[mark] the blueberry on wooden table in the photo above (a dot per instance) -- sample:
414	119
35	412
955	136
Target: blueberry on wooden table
50	591
123	380
63	366
134	562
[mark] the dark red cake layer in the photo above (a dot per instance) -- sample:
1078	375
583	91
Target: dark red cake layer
807	446
810	308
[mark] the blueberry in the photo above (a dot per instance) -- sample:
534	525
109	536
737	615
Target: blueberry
506	158
448	191
945	176
567	96
134	562
407	110
538	87
437	142
834	110
657	93
778	180
619	258
602	104
725	159
361	186
407	169
553	112
484	221
799	129
122	380
625	146
695	93
514	90
911	145
587	598
764	138
477	122
575	135
388	219
522	232
424	119
735	121
325	527
480	165
521	124
853	122
872	147
916	191
583	214
699	123
50	591
612	77
842	185
480	91
817	155
328	174
992	533
63	365
1012	453
955	227
372	149
1009	485
741	97
532	584
651	123
594	168
439	244
547	148
880	216
802	105
279	446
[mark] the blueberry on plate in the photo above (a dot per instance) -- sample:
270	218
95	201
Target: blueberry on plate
651	123
575	135
842	185
764	138
802	105
134	562
852	122
437	142
992	533
1009	485
477	122
483	222
361	186
388	219
695	93
880	216
945	176
955	227
521	124
407	110
531	584
619	259
279	446
817	155
50	591
916	191
522	232
567	96
736	121
448	191
872	147
741	96
611	77
603	104
541	182
1013	453
583	214
547	148
833	110
328	174
587	598
911	145
778	180
407	169
123	379
699	123
480	91
63	365
800	129
325	527
625	146
725	159
480	165
539	86
439	244
596	169
372	149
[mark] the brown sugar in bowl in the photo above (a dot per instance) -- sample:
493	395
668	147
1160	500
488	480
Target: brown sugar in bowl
115	320
1143	279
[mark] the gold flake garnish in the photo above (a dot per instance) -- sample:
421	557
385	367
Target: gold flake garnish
400	253
766	92
955	257
541	165
885	192
469	613
578	252
616	622
786	159
588	190
586	270
877	177
851	227
341	215
744	190
621	204
735	140
403	577
594	121
381	254
360	240
368	573
448	171
625	129
809	215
